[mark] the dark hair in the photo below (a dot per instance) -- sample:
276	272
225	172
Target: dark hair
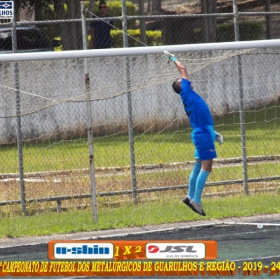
102	2
177	85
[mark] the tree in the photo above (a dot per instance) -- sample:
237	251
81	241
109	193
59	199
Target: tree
209	23
70	33
143	36
154	7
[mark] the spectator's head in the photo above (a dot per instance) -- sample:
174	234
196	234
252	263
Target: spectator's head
102	7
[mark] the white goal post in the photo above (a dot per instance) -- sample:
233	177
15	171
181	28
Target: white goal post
138	50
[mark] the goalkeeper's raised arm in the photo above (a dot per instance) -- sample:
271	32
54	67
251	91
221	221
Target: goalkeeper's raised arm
180	66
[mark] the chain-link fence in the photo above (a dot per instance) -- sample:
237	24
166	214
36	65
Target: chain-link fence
139	128
110	125
153	22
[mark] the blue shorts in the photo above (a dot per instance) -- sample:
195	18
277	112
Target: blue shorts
203	140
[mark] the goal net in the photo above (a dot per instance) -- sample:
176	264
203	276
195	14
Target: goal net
142	151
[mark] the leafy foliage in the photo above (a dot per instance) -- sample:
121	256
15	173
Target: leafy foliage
153	38
225	32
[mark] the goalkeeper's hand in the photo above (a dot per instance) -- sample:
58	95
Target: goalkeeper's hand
170	56
219	138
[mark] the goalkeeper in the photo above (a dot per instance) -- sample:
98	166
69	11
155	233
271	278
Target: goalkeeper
203	136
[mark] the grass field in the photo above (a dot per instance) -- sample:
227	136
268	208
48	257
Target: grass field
262	134
166	146
165	210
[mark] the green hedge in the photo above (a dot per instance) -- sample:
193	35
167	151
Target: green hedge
153	38
225	32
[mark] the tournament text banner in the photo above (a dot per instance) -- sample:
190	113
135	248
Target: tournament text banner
134	258
136	268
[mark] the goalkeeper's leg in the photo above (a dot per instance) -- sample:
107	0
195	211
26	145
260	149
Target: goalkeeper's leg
204	143
192	183
193	178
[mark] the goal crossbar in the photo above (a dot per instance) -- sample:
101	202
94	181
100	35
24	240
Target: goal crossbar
13	57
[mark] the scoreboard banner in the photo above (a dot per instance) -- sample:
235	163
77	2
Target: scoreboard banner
133	250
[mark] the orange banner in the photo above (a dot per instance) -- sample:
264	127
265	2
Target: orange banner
117	258
133	249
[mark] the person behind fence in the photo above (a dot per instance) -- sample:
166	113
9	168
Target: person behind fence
100	30
203	135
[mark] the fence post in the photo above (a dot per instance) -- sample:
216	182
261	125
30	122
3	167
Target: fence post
18	118
89	117
241	103
268	19
129	104
58	208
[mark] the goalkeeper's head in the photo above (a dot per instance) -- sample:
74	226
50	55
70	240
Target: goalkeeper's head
177	86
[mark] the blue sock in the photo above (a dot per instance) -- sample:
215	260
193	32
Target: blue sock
200	183
192	179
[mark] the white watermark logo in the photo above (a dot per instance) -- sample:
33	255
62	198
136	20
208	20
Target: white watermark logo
6	10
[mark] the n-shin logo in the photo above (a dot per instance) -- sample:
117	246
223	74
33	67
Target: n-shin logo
87	250
175	250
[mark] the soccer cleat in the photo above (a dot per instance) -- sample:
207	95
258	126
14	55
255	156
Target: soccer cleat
197	207
187	201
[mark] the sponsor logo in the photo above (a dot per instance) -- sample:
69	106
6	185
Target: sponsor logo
6	9
175	250
153	249
87	250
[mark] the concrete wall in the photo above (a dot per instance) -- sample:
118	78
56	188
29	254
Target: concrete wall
53	104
